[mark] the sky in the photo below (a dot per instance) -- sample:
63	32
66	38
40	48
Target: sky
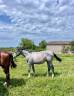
36	20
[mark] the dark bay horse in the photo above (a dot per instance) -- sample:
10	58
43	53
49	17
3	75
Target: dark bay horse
6	59
38	58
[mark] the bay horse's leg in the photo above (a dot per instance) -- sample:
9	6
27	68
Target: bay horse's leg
7	81
29	70
33	69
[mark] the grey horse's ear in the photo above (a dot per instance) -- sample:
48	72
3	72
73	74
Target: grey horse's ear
26	49
18	48
30	51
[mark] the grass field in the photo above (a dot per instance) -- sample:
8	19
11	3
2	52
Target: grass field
40	85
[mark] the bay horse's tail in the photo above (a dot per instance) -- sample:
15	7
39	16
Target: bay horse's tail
13	65
59	59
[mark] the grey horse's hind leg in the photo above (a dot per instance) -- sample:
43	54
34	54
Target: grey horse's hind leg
48	65
52	69
33	69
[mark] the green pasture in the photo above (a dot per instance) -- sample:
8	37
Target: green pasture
40	85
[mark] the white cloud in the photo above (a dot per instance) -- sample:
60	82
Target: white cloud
39	17
1	1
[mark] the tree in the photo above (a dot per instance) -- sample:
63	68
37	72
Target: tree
72	45
26	44
42	44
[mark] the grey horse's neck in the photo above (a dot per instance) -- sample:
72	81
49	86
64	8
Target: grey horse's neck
25	53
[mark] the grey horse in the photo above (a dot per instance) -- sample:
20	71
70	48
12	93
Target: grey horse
38	58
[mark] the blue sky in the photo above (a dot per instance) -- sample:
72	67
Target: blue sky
36	20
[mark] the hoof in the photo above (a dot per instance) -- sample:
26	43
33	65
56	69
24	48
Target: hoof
47	75
29	76
33	74
5	84
52	76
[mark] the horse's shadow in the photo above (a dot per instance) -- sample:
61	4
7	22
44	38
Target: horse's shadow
14	82
18	82
3	89
57	74
40	74
35	75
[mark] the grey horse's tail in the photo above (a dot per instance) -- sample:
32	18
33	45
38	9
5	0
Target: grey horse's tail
59	59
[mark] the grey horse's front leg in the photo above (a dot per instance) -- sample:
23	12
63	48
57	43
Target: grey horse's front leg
29	70
33	69
52	69
48	65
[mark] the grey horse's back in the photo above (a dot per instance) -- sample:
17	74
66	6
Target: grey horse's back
37	56
40	57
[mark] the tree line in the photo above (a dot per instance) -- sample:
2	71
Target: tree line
29	44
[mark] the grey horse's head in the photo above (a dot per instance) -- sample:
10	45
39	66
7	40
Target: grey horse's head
21	51
18	52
